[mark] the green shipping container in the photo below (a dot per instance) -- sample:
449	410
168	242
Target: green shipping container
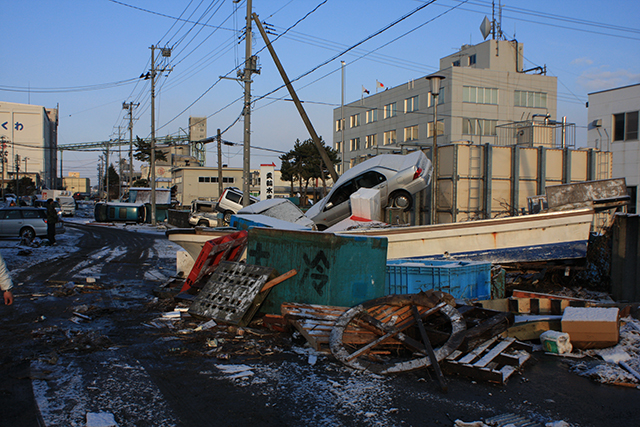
332	270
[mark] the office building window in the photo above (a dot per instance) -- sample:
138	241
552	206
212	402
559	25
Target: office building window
371	116
339	146
338	125
355	144
371	141
480	95
524	98
354	120
472	59
440	98
625	126
455	63
479	127
430	128
389	137
390	110
411	133
411	104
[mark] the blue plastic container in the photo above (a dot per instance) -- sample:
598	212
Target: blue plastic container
461	279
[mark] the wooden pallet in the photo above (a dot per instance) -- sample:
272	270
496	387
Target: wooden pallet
494	361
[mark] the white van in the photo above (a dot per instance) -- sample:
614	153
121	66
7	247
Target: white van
67	205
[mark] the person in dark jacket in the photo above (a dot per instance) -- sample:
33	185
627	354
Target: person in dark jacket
52	218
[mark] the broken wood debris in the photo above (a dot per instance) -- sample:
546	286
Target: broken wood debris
495	360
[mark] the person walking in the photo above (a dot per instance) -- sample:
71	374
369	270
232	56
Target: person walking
5	282
52	219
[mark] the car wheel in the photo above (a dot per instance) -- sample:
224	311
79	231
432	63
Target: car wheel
27	233
401	199
227	216
203	223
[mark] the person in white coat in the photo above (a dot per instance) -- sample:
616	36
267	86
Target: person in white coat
5	282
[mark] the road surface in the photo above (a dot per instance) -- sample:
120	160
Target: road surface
57	366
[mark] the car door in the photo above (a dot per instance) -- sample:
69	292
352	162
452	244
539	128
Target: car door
376	180
338	207
12	223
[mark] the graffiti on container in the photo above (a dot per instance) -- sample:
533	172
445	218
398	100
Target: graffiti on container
316	271
258	253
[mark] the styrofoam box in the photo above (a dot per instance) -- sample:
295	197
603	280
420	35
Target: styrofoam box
365	203
591	327
461	279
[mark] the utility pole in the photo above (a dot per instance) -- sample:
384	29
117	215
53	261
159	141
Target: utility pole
220	189
106	169
166	52
296	101
25	166
16	177
248	60
3	158
119	163
129	107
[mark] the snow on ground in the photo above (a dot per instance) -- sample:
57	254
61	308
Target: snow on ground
19	257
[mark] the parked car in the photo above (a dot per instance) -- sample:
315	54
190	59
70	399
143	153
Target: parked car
27	222
230	202
398	177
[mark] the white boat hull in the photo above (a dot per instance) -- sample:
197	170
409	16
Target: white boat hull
192	240
528	238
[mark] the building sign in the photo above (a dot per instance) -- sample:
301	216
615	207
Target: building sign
267	181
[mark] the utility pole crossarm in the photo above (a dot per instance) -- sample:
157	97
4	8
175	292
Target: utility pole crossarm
296	100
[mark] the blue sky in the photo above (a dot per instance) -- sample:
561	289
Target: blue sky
588	45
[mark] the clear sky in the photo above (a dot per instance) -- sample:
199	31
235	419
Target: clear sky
86	56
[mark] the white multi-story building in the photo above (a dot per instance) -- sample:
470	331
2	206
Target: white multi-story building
613	126
484	86
29	135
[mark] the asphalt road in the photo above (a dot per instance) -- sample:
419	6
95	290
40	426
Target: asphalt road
56	366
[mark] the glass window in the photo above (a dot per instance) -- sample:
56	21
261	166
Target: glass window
201	179
530	99
411	104
455	63
339	146
371	116
390	110
369	179
631	126
371	141
338	125
354	120
389	137
430	128
472	59
411	133
355	144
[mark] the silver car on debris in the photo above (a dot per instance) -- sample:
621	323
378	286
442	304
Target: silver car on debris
398	177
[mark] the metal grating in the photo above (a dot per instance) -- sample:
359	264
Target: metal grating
230	293
511	420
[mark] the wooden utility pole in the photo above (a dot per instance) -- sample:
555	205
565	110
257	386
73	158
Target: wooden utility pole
248	69
296	100
219	138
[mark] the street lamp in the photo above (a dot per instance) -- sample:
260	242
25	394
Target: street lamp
342	120
434	82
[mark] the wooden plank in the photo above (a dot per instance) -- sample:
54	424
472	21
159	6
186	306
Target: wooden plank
270	284
477	351
499	348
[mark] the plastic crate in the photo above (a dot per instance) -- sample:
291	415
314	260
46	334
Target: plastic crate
461	279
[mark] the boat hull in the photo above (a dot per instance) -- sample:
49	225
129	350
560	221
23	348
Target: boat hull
528	238
193	239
